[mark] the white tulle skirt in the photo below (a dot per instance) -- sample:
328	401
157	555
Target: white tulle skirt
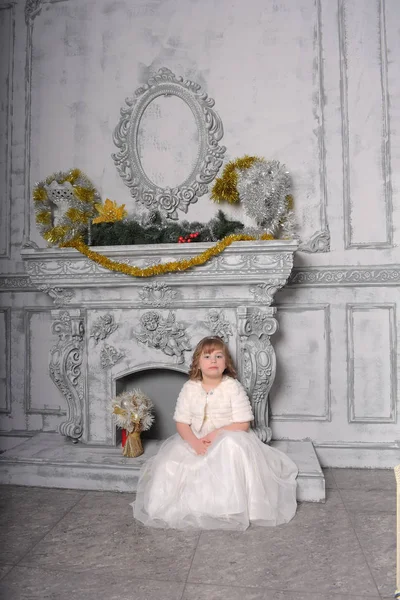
238	481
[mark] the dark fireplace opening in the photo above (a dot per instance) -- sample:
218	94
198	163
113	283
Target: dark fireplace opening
162	386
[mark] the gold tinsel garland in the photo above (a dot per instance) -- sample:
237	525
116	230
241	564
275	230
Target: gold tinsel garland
81	198
161	269
225	187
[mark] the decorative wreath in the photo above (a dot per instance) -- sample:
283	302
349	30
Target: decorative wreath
263	188
64	204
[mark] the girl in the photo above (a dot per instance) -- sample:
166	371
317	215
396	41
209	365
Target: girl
215	473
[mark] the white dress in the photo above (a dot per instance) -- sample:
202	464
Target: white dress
238	481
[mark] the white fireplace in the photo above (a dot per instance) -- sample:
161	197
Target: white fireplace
109	326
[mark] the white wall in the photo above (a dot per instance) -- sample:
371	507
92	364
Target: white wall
312	83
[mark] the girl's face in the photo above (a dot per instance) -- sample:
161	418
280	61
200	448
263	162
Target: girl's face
212	364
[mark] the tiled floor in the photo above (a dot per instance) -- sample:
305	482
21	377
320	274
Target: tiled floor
62	544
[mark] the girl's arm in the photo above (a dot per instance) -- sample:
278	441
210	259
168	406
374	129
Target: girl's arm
186	433
244	426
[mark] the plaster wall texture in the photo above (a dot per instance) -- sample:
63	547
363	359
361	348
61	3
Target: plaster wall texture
313	84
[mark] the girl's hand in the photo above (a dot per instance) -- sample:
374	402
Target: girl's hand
210	437
200	446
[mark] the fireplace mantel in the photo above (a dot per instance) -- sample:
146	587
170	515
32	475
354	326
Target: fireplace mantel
108	324
253	262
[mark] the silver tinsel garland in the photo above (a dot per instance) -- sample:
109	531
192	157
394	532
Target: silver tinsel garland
263	189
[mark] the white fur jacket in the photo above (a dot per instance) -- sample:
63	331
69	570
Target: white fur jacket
227	403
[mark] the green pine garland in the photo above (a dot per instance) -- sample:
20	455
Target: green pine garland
157	231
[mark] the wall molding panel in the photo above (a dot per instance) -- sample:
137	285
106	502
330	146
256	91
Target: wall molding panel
5	316
32	10
319	241
324	229
324	335
371	362
363	130
15	282
7	45
346	276
29	313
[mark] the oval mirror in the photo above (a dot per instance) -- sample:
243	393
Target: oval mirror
168	143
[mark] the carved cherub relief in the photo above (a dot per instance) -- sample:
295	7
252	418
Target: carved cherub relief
219	325
164	334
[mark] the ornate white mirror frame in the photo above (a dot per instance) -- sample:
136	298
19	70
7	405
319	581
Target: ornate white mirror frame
210	154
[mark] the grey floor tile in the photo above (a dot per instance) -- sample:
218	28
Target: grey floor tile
308	512
377	535
374	501
317	552
329	479
332	500
10	441
32	583
332	503
101	533
4	569
210	592
27	514
365	479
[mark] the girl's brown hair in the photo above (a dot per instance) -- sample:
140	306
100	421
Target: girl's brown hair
209	344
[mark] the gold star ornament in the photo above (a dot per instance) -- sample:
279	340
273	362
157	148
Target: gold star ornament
109	212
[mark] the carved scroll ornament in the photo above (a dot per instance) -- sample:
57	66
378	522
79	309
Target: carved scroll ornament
319	242
157	294
65	367
110	356
60	296
257	362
